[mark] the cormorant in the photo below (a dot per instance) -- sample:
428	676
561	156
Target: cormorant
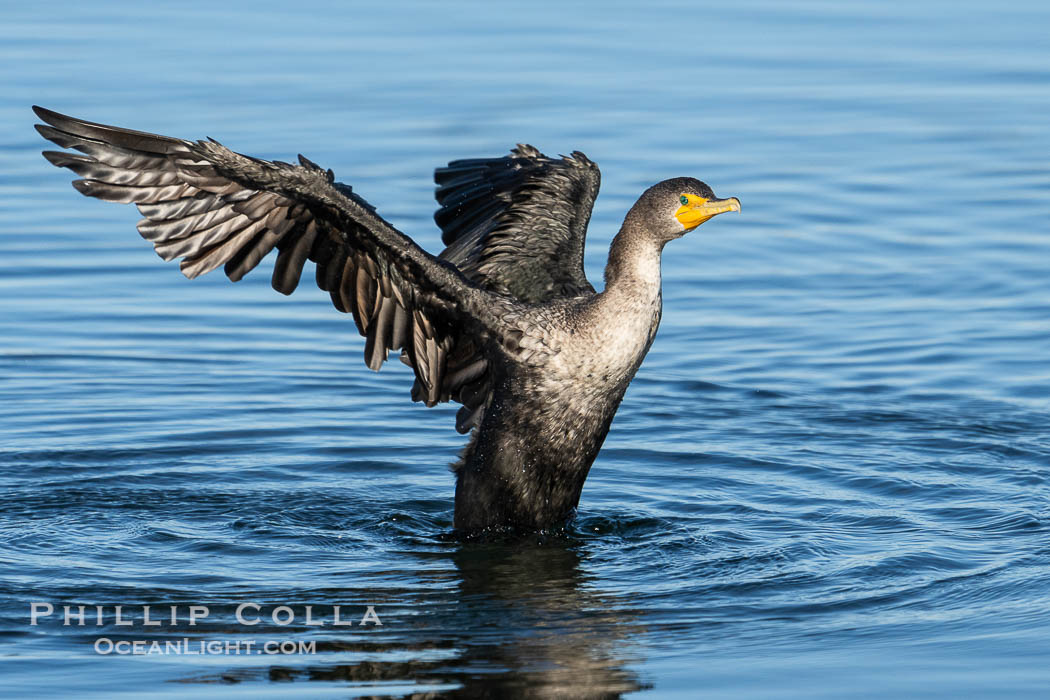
504	321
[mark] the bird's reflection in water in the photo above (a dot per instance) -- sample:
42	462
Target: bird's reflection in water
536	618
521	621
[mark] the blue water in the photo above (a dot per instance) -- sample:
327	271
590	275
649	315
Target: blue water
829	478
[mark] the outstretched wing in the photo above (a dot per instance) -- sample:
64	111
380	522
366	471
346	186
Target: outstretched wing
210	206
517	224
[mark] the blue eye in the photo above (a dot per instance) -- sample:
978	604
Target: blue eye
683	199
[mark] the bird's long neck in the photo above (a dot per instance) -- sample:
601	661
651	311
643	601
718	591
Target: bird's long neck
633	269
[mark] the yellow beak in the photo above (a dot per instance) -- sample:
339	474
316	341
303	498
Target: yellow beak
695	213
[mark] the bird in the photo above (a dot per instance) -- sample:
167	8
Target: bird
503	321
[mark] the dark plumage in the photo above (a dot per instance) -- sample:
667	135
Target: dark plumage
504	321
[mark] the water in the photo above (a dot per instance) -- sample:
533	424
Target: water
828	480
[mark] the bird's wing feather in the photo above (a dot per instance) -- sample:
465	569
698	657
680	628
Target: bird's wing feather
210	206
517	224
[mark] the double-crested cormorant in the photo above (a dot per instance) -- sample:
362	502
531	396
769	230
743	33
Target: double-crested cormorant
503	321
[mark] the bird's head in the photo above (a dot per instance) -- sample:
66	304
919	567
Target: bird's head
674	207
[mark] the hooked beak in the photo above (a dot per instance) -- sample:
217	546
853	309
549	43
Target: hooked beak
695	213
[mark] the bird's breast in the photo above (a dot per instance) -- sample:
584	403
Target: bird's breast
608	343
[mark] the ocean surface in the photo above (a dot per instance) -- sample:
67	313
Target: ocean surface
829	479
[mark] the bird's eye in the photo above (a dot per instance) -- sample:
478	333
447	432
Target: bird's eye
683	199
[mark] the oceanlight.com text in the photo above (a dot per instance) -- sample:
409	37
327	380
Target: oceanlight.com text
202	647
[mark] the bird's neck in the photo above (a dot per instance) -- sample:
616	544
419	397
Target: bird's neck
633	269
628	310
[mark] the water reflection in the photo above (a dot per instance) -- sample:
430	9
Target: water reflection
521	621
538	618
